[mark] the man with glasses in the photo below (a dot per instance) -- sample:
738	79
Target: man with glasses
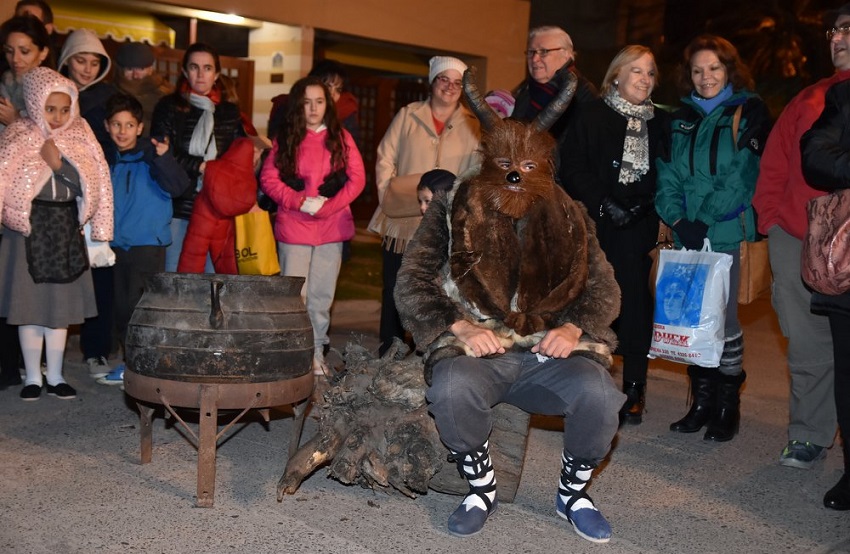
780	200
550	58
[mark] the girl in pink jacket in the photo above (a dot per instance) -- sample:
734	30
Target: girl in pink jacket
313	173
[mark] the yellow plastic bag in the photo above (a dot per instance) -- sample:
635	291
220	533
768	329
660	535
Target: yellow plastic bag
256	249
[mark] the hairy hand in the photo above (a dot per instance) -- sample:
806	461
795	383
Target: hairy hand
558	342
481	341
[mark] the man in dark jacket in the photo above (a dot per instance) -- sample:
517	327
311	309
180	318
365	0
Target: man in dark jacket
136	75
825	149
551	58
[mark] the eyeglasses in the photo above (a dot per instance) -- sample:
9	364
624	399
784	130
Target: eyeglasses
542	52
448	83
844	30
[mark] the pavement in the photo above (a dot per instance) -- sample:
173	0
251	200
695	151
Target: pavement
72	481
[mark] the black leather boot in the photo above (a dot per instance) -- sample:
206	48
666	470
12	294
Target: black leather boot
727	408
703	385
838	497
632	411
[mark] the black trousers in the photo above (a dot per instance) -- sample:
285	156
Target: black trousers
96	332
390	321
10	350
840	326
132	269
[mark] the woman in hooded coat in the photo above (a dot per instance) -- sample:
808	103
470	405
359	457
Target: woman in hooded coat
53	180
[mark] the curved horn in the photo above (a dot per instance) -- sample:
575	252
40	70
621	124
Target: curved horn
558	105
477	104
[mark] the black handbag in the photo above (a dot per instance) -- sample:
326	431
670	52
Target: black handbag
56	246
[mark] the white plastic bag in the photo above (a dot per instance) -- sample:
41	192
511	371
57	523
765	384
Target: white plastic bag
100	254
691	292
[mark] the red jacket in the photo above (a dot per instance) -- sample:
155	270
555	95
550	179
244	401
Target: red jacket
781	191
230	189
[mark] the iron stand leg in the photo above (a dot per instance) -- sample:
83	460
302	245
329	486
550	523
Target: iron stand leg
207	438
146	432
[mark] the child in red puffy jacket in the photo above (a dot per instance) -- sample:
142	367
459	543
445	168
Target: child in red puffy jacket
230	189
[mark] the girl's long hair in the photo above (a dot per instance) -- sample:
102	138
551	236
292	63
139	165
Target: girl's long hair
294	129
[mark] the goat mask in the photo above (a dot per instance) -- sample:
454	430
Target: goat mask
519	243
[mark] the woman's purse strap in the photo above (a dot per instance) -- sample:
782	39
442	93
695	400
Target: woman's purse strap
736	124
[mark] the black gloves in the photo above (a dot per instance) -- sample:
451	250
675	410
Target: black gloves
691	233
333	183
293	181
622	216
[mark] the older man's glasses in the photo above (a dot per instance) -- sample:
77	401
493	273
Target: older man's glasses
542	52
449	83
844	30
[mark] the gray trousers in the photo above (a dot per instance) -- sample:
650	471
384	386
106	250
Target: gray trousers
810	353
465	389
319	265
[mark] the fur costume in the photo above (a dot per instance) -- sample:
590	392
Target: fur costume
509	250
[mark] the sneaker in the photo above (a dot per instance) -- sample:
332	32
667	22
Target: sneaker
31	393
801	455
98	367
114	377
63	391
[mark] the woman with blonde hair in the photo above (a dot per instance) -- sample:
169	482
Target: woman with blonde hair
607	164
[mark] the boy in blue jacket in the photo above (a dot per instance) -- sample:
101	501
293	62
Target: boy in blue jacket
145	177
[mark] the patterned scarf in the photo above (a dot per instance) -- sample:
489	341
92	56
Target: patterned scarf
636	146
540	94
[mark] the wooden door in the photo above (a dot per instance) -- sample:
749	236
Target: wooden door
379	99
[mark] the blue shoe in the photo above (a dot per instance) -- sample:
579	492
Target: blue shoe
588	523
586	520
470	517
114	377
465	523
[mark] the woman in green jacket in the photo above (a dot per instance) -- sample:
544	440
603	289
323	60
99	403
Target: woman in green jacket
706	182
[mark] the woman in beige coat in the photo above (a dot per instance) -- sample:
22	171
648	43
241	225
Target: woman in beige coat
437	133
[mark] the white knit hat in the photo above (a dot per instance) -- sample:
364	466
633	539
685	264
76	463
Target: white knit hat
438	64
